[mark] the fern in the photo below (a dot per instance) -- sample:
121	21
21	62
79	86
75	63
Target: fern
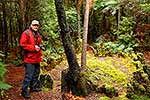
3	85
2	71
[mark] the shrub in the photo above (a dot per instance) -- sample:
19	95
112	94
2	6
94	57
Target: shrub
3	85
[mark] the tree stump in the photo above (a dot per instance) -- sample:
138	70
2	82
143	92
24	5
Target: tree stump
46	81
78	88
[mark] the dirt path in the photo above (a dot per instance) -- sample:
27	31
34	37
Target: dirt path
15	77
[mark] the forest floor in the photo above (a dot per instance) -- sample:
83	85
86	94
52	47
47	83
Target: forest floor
15	76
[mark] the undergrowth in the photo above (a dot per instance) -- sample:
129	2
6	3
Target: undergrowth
3	86
111	73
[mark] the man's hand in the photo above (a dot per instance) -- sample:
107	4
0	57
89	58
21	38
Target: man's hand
37	48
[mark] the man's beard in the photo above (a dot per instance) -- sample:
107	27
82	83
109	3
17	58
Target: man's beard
35	29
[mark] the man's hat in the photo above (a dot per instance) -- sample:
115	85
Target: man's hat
35	22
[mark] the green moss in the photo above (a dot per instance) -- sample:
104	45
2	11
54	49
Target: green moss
120	98
111	72
104	98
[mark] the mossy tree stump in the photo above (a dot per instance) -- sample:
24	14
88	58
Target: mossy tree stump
78	87
46	81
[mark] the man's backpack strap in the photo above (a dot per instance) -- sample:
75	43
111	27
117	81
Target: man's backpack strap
27	32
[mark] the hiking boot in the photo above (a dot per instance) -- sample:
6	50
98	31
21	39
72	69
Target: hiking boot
35	89
25	94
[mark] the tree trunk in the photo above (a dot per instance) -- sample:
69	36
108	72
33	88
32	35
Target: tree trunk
66	39
10	26
118	15
2	32
78	19
85	32
21	15
16	26
71	76
11	34
5	30
78	7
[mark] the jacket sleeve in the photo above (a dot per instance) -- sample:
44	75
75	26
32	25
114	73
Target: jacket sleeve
24	43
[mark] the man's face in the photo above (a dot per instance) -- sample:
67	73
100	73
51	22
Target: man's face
35	27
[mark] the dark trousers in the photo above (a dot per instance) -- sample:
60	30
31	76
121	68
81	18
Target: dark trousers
32	72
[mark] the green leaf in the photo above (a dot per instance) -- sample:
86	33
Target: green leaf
4	86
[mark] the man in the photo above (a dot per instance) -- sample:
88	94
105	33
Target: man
30	41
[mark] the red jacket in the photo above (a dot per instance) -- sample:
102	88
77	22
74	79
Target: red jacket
28	42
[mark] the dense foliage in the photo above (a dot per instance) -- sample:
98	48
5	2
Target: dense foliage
125	40
112	32
3	85
110	73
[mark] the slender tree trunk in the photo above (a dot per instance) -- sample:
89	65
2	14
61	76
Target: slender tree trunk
71	78
21	15
78	7
11	34
65	35
16	28
78	21
84	40
74	68
26	12
10	26
1	33
5	30
118	14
